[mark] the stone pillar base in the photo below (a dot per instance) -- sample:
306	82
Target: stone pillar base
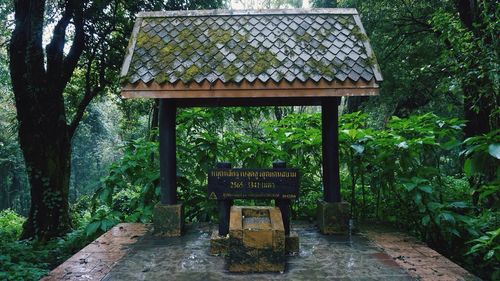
219	245
168	220
292	243
333	218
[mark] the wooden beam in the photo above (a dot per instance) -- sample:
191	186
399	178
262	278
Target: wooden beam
330	135
168	175
245	89
186	94
224	102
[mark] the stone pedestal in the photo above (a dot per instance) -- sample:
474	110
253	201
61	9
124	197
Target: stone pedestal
256	239
219	245
333	218
292	243
168	220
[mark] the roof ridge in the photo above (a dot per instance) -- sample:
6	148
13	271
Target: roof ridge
229	12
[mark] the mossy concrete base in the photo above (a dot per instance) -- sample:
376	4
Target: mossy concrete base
292	243
256	239
333	218
168	220
219	245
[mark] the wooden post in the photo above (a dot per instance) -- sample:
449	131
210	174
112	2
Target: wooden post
224	207
283	204
330	135
168	175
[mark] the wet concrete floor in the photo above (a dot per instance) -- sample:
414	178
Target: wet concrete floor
321	257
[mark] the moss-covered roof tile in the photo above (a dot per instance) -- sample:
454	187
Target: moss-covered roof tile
193	46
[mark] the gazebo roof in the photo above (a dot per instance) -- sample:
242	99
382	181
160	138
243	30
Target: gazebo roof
225	53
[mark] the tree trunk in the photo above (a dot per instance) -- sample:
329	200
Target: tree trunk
48	172
278	113
478	122
46	145
153	126
4	189
44	135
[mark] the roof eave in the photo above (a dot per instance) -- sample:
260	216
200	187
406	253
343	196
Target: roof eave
369	51
130	48
256	89
226	12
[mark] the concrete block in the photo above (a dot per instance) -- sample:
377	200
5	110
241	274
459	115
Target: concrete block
168	220
292	243
219	245
333	218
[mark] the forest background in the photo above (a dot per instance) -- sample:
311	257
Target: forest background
422	156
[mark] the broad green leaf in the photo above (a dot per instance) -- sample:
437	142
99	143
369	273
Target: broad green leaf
459	204
409	186
494	150
425	220
106	224
454	232
417	198
425	188
92	227
489	255
445	216
433	206
468	167
403	145
358	148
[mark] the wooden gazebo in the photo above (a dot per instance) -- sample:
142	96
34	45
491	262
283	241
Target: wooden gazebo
248	58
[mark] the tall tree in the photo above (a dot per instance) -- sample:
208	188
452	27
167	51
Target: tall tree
481	87
86	36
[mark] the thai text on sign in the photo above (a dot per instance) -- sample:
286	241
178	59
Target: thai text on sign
282	183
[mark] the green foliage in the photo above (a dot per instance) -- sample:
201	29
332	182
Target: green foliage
102	220
129	191
488	246
31	259
471	56
10	225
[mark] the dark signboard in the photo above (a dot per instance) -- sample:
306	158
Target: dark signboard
281	183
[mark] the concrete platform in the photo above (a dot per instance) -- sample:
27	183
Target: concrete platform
130	252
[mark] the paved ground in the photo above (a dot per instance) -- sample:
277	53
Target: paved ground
415	257
128	252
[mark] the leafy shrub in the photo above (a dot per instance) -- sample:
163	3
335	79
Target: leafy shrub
10	225
488	246
30	259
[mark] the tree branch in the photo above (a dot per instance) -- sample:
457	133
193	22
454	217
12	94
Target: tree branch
90	92
55	49
71	60
26	53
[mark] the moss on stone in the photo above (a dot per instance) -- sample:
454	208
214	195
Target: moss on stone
190	73
306	38
230	72
167	50
161	78
371	61
356	31
244	56
220	36
322	68
143	40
